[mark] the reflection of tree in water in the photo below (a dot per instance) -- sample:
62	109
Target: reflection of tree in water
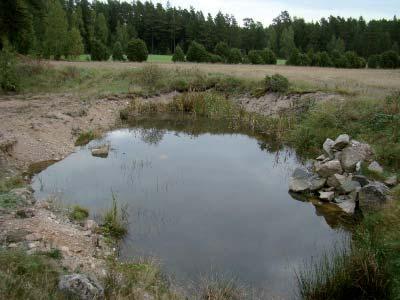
152	136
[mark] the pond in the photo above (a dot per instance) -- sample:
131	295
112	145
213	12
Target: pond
201	198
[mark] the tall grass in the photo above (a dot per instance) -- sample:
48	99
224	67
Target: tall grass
115	220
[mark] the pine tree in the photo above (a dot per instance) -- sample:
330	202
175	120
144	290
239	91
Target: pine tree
287	42
75	44
101	29
55	37
178	55
118	53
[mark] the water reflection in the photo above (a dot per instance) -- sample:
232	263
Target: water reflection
201	197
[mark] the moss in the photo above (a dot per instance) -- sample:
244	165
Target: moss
78	213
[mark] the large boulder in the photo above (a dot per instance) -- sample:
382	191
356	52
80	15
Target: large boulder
326	196
317	183
349	186
391	181
362	180
328	147
300	180
373	195
342	141
354	153
328	168
336	180
348	206
101	151
81	287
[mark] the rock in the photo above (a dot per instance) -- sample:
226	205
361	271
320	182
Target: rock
342	198
33	237
336	180
16	236
375	167
373	195
321	157
317	183
81	287
101	151
300	180
329	168
328	147
342	141
349	186
348	206
91	225
391	181
362	180
326	196
354	153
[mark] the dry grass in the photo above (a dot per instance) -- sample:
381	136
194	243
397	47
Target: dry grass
371	82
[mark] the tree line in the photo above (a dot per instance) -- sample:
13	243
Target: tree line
56	28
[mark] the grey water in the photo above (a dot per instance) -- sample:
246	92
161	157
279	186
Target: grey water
202	202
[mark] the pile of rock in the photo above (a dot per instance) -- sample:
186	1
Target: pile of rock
337	178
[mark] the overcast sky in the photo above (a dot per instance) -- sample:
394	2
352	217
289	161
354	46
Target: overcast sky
265	10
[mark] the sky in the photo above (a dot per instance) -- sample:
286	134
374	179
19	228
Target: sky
265	10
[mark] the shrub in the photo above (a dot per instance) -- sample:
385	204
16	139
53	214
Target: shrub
276	83
137	50
85	137
235	56
117	52
99	51
9	81
374	61
323	59
178	55
78	213
197	53
268	56
294	58
213	58
222	49
389	60
255	58
354	61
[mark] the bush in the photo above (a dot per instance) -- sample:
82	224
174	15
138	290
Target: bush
389	60
197	53
99	51
9	81
178	55
294	58
255	58
85	137
137	50
374	61
222	49
268	56
276	83
213	58
235	56
322	59
354	61
117	52
78	213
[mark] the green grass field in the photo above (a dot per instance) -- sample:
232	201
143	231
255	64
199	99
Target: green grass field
159	58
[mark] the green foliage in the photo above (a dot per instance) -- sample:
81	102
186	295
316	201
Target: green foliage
213	58
354	61
117	52
255	58
101	29
323	59
99	51
374	61
389	60
137	50
78	213
235	56
197	53
178	56
85	137
287	42
268	57
56	32
9	81
276	84
10	201
75	44
222	50
115	221
27	276
11	183
294	58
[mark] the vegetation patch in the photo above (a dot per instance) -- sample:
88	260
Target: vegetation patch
115	221
27	276
78	213
85	137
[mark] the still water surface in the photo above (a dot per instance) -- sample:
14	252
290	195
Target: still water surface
202	204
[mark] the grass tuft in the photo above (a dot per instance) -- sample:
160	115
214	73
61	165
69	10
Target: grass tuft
115	221
85	137
78	213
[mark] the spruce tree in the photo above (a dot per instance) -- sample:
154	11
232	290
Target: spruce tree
75	44
178	55
118	53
